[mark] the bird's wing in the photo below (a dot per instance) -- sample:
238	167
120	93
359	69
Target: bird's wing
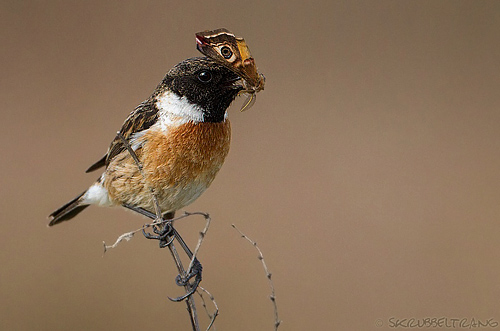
142	118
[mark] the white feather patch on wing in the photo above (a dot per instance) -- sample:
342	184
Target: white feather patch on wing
97	195
136	141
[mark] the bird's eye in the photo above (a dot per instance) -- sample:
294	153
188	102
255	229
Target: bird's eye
226	52
204	76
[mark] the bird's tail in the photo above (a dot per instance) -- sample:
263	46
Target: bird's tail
68	211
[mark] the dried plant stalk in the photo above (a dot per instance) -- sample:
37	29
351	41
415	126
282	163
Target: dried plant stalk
277	321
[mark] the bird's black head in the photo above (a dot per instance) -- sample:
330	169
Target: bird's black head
204	83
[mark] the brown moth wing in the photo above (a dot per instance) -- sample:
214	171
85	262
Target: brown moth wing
233	53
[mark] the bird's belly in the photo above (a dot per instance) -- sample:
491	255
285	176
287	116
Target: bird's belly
178	166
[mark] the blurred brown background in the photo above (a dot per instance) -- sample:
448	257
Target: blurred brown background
367	171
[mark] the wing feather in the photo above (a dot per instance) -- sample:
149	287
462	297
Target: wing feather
141	118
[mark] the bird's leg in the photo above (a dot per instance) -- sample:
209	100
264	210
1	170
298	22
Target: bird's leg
166	236
195	271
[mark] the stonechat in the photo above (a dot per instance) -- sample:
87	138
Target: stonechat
180	135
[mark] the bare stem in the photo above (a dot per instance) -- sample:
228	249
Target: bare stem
214	315
202	235
191	308
277	321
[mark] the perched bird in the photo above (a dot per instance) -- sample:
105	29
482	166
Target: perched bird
180	135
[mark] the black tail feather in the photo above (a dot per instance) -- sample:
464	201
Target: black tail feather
68	211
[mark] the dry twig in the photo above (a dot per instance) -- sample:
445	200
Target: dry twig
277	321
216	311
127	236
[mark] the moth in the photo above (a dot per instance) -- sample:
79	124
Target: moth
232	52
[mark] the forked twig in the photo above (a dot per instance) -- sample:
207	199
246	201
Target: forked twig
202	235
277	321
216	311
129	235
191	307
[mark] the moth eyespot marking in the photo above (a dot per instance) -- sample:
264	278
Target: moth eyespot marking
226	52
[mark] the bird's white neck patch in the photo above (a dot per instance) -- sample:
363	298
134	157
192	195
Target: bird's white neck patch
175	110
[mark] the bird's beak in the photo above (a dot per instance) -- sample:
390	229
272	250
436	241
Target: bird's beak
235	81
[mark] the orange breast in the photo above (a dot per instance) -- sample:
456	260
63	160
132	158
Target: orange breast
179	165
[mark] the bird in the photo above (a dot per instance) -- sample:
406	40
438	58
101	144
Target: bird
180	135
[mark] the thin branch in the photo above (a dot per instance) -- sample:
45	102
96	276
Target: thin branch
202	235
190	304
277	321
126	236
129	235
216	311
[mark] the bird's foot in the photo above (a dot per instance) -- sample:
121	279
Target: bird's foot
195	272
163	233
